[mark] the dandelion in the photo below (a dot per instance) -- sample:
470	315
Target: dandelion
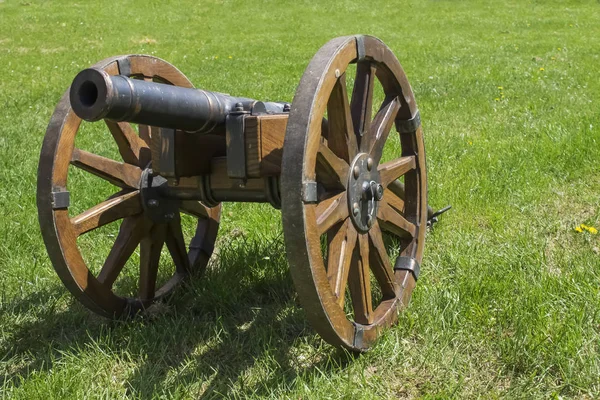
500	88
497	99
470	143
230	57
559	49
590	229
584	227
541	68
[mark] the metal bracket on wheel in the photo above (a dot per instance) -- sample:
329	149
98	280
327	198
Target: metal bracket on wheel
124	66
61	199
409	126
309	192
404	263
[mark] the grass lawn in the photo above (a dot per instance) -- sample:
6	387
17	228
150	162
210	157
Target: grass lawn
508	302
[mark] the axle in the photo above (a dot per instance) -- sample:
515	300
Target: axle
96	95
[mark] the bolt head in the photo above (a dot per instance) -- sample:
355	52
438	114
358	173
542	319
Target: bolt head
153	203
239	107
370	221
379	192
337	73
356	171
369	163
355	209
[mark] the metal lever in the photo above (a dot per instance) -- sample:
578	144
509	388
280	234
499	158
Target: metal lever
433	218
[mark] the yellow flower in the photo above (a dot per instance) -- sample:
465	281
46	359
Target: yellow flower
558	48
578	229
500	88
230	57
497	99
590	229
470	143
541	68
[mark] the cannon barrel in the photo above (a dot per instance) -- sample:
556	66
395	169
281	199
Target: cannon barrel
96	95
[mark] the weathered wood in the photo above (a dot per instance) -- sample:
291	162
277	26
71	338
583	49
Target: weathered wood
325	152
264	136
60	230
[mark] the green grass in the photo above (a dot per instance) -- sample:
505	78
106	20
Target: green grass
508	304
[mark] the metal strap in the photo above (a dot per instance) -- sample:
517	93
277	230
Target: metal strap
124	66
359	332
61	199
360	47
309	192
236	145
404	263
409	126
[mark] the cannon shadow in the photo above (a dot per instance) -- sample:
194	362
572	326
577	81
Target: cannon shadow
236	330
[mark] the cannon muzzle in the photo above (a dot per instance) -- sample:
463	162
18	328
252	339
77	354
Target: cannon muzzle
96	95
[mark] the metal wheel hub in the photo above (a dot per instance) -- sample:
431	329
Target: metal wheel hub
157	207
364	192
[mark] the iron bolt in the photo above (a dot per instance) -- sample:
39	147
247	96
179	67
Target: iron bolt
239	107
287	107
366	190
356	171
169	216
379	192
337	73
370	221
153	203
355	209
369	163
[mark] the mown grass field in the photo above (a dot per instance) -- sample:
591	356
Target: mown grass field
508	303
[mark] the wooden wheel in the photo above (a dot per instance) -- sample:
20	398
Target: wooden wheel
94	285
344	211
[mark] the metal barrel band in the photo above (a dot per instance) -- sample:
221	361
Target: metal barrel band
404	263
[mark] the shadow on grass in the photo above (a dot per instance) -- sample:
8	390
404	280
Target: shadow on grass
237	330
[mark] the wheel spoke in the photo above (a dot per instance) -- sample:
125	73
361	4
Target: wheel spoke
115	208
392	170
380	263
132	148
362	97
194	208
332	170
202	244
380	129
331	211
391	197
176	245
119	174
391	221
150	249
340	249
359	283
130	234
341	137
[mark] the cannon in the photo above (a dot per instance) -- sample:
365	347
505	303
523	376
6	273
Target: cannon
353	197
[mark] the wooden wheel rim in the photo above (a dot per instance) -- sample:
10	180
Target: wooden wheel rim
59	230
303	146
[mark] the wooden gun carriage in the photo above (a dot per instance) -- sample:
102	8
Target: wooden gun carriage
354	224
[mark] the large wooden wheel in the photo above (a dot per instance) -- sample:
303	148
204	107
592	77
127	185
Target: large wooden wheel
94	285
345	212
